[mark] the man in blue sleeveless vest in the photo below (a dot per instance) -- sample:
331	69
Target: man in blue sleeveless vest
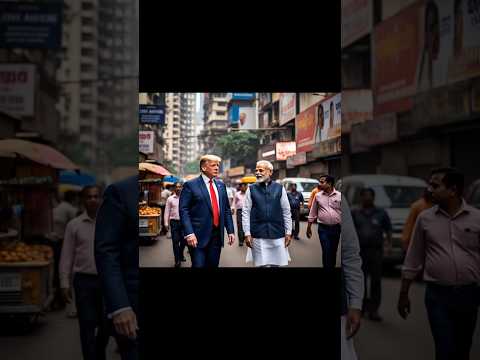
266	219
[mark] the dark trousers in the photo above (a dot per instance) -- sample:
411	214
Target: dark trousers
163	231
372	269
94	334
241	234
209	256
178	241
329	238
128	348
296	222
452	313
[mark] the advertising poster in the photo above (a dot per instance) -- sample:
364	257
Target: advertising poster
247	118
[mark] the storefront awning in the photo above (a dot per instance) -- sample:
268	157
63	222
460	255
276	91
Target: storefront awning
39	153
156	169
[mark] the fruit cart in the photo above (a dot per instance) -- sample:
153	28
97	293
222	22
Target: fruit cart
28	182
26	278
149	223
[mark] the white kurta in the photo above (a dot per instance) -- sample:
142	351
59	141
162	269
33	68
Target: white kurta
268	251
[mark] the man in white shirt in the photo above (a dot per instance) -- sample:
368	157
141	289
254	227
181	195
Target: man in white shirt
266	218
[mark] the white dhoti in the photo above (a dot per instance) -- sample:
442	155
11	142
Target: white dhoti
268	252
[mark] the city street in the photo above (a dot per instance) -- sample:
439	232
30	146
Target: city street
399	339
304	252
56	337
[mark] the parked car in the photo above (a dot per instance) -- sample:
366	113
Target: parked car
472	196
305	186
393	193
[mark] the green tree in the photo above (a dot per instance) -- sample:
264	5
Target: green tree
240	147
168	164
191	167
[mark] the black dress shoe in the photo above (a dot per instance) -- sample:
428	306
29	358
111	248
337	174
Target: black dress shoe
241	244
297	238
178	264
183	259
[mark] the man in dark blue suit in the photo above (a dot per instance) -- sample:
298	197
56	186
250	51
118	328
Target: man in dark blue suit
205	213
116	257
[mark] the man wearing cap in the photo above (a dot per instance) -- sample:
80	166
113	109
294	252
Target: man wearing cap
205	213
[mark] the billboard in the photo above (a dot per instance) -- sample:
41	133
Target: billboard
247	118
243	96
146	140
329	119
356	20
17	89
152	114
288	107
296	160
285	149
233	114
31	25
410	57
305	128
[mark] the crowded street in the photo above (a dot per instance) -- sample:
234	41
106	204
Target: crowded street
304	252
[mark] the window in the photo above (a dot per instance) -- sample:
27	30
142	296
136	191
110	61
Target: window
87	52
87	5
87	37
87	21
86	67
220	113
222	103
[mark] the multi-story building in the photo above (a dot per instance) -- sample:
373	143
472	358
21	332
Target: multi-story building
157	129
215	119
179	133
99	76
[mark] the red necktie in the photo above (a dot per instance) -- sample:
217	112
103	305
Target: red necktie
213	198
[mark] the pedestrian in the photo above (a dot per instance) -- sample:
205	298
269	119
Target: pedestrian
326	210
425	202
116	257
373	226
78	262
313	194
445	244
352	284
296	201
63	213
231	195
164	195
172	221
238	205
205	213
267	221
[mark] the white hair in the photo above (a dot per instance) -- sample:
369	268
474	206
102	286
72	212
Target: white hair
266	164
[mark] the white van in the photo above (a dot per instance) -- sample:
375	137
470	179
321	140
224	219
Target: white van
305	186
393	193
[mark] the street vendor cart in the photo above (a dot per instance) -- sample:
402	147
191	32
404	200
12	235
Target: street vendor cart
150	214
28	182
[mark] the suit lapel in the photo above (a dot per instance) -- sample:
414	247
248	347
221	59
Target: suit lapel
205	193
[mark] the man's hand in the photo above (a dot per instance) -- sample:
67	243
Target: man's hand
126	324
67	295
166	228
288	240
231	239
353	322
249	241
309	230
403	305
192	241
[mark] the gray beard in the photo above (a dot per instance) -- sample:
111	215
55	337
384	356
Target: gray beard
263	179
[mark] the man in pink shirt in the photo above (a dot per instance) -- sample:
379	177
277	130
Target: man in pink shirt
326	210
172	222
446	246
238	205
78	259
